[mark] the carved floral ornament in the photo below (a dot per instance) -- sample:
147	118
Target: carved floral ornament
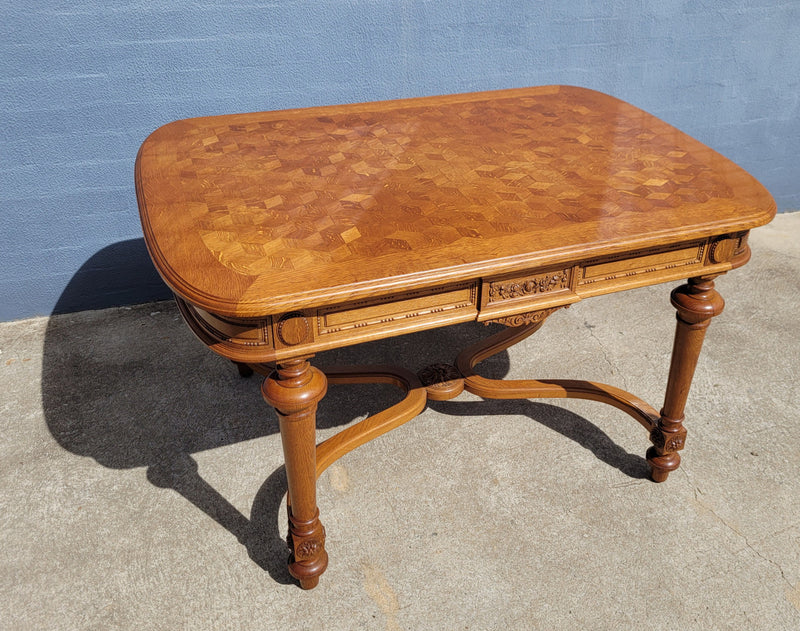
543	283
438	374
671	441
307	549
521	319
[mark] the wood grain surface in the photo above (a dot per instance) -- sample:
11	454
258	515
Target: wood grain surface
250	215
288	233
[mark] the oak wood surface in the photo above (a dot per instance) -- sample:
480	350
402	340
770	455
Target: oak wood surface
294	390
487	388
696	303
287	233
249	215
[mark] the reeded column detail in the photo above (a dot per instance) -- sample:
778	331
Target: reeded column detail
696	303
294	389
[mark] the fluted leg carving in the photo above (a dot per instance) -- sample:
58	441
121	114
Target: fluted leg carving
696	303
294	389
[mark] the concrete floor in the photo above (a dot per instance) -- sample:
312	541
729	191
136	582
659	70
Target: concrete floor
141	483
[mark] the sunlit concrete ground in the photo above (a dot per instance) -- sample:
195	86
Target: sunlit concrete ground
141	483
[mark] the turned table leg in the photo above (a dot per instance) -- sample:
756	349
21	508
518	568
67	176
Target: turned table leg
294	389
696	302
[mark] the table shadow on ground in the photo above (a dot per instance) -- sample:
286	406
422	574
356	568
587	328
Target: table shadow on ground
134	388
558	419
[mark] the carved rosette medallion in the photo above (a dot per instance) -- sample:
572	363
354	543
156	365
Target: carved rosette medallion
668	441
519	288
306	542
293	328
722	250
307	549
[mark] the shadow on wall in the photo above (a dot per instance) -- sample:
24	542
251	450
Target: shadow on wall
133	388
120	274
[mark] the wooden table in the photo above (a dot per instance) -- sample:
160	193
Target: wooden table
283	234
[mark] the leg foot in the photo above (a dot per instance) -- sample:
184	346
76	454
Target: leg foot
660	466
309	583
309	558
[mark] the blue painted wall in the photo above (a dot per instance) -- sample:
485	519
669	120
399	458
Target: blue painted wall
82	83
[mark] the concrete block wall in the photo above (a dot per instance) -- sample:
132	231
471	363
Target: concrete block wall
82	83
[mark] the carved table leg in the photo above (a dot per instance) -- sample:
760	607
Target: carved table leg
294	390
696	303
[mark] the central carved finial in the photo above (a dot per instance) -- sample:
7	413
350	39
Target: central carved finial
442	381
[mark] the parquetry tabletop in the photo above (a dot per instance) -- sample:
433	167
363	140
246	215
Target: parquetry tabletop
253	214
